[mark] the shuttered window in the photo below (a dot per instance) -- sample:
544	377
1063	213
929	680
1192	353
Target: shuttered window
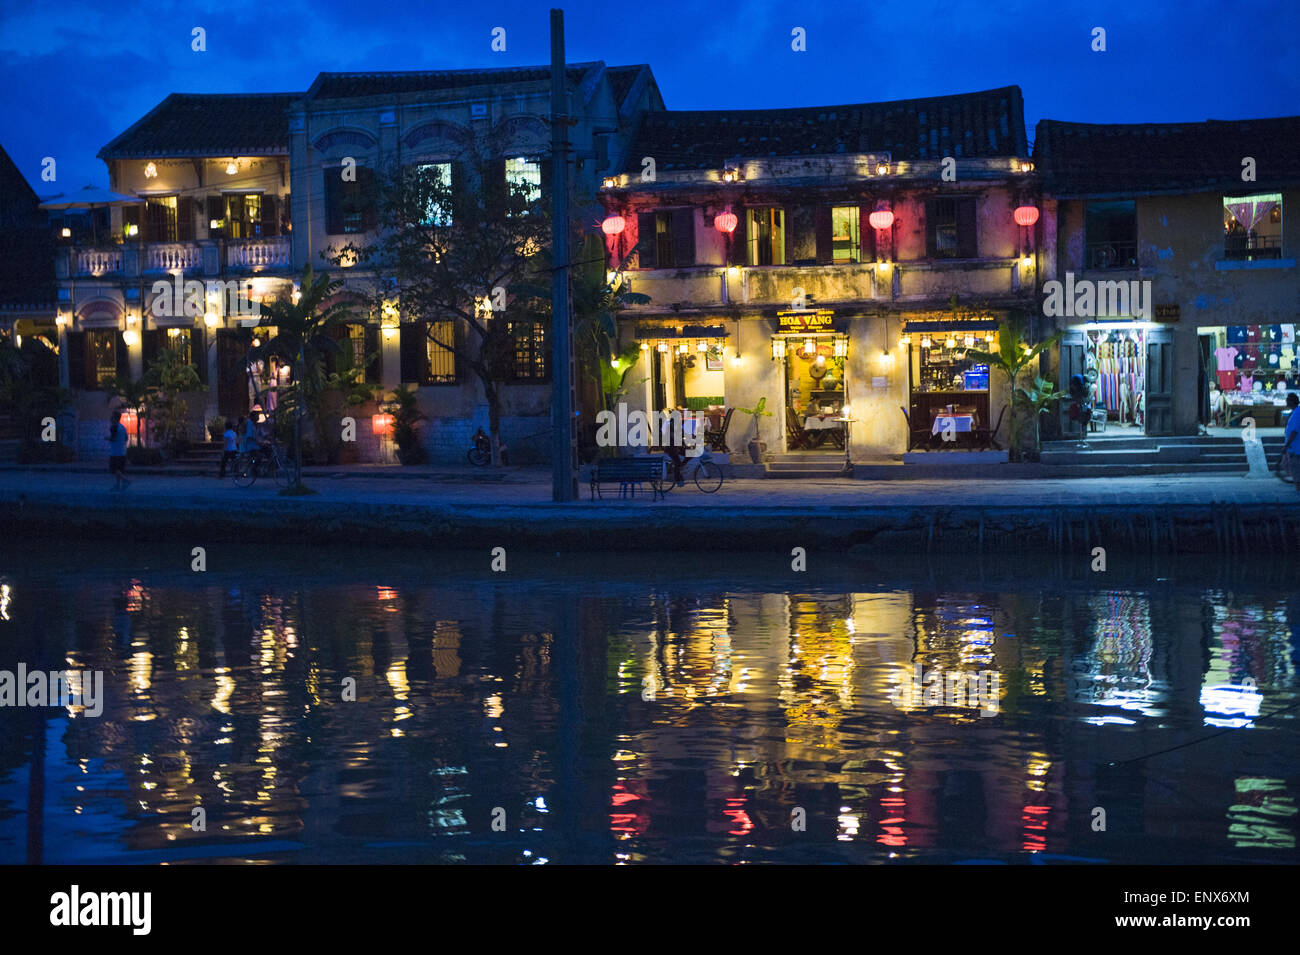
530	346
950	229
666	239
765	230
441	362
351	204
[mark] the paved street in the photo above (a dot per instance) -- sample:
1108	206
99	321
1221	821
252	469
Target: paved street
514	487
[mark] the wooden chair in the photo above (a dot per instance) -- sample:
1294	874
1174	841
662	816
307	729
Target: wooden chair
916	437
988	437
796	436
717	437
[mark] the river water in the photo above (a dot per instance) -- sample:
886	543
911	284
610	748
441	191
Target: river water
359	705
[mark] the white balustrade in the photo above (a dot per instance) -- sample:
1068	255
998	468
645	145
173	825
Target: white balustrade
270	253
98	261
170	256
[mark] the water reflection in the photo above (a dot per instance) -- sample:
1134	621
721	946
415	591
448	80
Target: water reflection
371	710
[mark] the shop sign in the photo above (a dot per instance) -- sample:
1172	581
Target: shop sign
820	320
1168	313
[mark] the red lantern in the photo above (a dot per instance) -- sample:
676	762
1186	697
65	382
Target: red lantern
129	421
612	225
726	222
881	219
1025	215
381	424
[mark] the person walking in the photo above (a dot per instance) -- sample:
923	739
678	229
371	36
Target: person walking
117	452
1291	443
231	448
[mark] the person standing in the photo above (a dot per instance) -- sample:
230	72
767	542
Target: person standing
1291	442
249	433
231	448
117	452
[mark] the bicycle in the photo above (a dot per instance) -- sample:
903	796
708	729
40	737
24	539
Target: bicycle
266	461
706	473
481	454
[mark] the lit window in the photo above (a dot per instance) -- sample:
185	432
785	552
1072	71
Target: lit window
846	225
766	234
439	173
521	172
1252	226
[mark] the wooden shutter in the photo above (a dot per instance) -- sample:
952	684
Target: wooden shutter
270	217
150	342
184	219
646	242
216	209
967	231
825	236
930	212
368	197
683	226
459	187
333	201
123	359
77	363
547	168
739	245
199	353
414	352
787	236
867	234
375	364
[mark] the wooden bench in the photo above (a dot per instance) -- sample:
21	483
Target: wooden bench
628	473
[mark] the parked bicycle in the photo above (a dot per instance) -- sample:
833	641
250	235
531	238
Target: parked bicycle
266	461
706	473
481	454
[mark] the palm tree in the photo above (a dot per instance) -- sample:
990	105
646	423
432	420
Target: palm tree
303	337
1012	357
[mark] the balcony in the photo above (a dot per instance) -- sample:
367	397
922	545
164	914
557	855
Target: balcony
173	256
94	262
259	255
1243	247
1110	255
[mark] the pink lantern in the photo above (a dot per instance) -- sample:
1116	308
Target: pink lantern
381	424
1025	215
881	219
612	225
726	222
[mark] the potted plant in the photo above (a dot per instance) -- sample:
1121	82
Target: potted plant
216	428
1039	398
757	447
405	418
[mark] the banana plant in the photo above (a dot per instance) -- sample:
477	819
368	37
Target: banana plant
1012	357
1039	398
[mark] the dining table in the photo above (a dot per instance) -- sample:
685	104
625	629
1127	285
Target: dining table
960	423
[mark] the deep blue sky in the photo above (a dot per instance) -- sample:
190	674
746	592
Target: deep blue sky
75	73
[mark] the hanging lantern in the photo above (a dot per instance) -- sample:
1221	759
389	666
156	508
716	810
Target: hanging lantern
381	424
881	219
904	340
970	341
130	337
778	347
809	346
681	349
821	361
841	347
129	421
950	343
645	346
663	346
702	346
726	222
925	341
1025	215
613	225
989	338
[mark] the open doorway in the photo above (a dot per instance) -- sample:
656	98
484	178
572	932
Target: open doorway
814	395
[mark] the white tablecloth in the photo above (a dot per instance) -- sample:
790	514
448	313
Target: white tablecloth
815	423
960	423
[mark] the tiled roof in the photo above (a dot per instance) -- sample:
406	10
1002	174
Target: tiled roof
1081	159
966	125
26	243
208	124
344	85
621	79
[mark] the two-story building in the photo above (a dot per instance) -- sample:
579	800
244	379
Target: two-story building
1179	296
239	192
826	258
496	121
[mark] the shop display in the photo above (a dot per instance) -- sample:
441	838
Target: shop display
1118	359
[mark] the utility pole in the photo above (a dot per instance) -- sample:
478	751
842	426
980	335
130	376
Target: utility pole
564	478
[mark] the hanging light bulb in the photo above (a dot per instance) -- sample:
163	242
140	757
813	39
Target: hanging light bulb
925	341
645	346
702	346
663	346
821	360
989	338
950	343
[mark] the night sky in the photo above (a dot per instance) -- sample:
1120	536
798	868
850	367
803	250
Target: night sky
74	74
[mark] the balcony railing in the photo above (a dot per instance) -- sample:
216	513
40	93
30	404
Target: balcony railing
170	256
1110	255
258	254
96	262
1252	247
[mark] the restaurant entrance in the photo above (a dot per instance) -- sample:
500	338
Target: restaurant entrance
813	351
950	407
